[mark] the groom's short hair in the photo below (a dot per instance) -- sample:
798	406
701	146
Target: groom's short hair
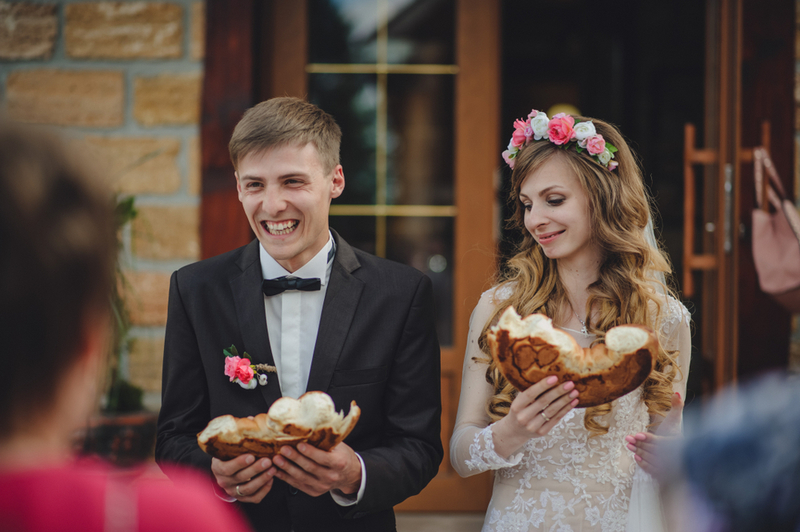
286	121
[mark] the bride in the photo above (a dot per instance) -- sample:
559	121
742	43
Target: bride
588	261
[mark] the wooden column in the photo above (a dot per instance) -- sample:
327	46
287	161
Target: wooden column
227	93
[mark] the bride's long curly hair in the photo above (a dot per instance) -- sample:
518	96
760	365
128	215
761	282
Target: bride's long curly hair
625	291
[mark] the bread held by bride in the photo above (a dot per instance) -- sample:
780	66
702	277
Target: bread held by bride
312	419
531	349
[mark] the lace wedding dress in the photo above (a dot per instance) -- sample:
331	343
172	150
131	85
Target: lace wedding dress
563	481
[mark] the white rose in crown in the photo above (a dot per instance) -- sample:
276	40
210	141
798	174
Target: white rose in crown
605	157
539	125
584	131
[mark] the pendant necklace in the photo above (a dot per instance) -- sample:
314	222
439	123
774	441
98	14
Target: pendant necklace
584	329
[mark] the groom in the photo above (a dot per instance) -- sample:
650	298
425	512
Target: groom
354	326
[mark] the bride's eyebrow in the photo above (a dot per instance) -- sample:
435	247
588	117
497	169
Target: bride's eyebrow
546	190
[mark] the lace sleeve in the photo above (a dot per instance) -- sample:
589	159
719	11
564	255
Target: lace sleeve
482	456
677	337
471	446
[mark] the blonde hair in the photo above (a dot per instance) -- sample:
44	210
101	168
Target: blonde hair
286	121
624	292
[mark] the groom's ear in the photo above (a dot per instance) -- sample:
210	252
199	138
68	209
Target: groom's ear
238	185
337	185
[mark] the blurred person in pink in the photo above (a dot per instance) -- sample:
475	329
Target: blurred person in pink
57	258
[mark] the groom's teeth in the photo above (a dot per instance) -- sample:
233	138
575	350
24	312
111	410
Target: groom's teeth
280	228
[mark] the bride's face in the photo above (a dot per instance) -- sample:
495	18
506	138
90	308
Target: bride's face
557	210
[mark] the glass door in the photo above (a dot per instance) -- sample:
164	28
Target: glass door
414	86
385	69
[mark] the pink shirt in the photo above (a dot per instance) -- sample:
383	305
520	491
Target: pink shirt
93	497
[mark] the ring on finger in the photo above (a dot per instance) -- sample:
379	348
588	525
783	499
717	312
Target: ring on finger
546	419
239	493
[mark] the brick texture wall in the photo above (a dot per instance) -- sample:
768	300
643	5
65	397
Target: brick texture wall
124	80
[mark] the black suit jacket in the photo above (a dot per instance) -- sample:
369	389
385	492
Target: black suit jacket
376	345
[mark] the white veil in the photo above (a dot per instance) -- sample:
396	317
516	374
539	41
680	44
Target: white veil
649	233
645	511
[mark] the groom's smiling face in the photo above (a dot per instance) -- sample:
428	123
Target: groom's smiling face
286	192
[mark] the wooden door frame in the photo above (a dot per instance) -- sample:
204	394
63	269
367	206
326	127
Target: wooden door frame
227	93
750	76
241	70
477	137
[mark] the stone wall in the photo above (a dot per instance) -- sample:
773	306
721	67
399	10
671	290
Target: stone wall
124	78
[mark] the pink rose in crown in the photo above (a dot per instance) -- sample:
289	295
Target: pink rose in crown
528	133
596	145
518	138
507	157
560	129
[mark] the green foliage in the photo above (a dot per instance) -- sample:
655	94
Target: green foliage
122	396
233	352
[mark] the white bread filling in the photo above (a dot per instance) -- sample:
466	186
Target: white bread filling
537	325
317	409
574	358
222	425
284	410
625	339
312	411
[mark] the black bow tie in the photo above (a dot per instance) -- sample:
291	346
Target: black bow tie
272	287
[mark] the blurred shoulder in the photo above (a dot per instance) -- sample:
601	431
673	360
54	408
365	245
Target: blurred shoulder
497	295
184	502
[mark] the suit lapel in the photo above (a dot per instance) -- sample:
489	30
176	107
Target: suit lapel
341	301
252	317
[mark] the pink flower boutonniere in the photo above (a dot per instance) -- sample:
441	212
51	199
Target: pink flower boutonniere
240	370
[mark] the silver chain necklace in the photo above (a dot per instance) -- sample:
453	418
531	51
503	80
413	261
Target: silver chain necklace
584	329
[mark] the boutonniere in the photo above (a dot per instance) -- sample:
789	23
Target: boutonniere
241	371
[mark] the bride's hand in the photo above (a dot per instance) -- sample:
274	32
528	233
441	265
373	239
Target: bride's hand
533	413
645	445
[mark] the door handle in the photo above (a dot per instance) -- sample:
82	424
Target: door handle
707	261
691	260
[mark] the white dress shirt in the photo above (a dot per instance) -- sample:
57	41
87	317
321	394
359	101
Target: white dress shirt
293	319
292	324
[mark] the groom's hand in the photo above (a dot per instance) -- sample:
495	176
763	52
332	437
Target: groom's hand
315	472
244	478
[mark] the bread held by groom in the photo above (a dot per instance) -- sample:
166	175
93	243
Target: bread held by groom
358	328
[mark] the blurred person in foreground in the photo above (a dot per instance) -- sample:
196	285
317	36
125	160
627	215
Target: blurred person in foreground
738	467
57	256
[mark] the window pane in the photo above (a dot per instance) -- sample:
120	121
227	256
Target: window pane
427	245
420	140
421	32
342	31
352	100
358	231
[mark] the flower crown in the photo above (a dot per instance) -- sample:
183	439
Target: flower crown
562	130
